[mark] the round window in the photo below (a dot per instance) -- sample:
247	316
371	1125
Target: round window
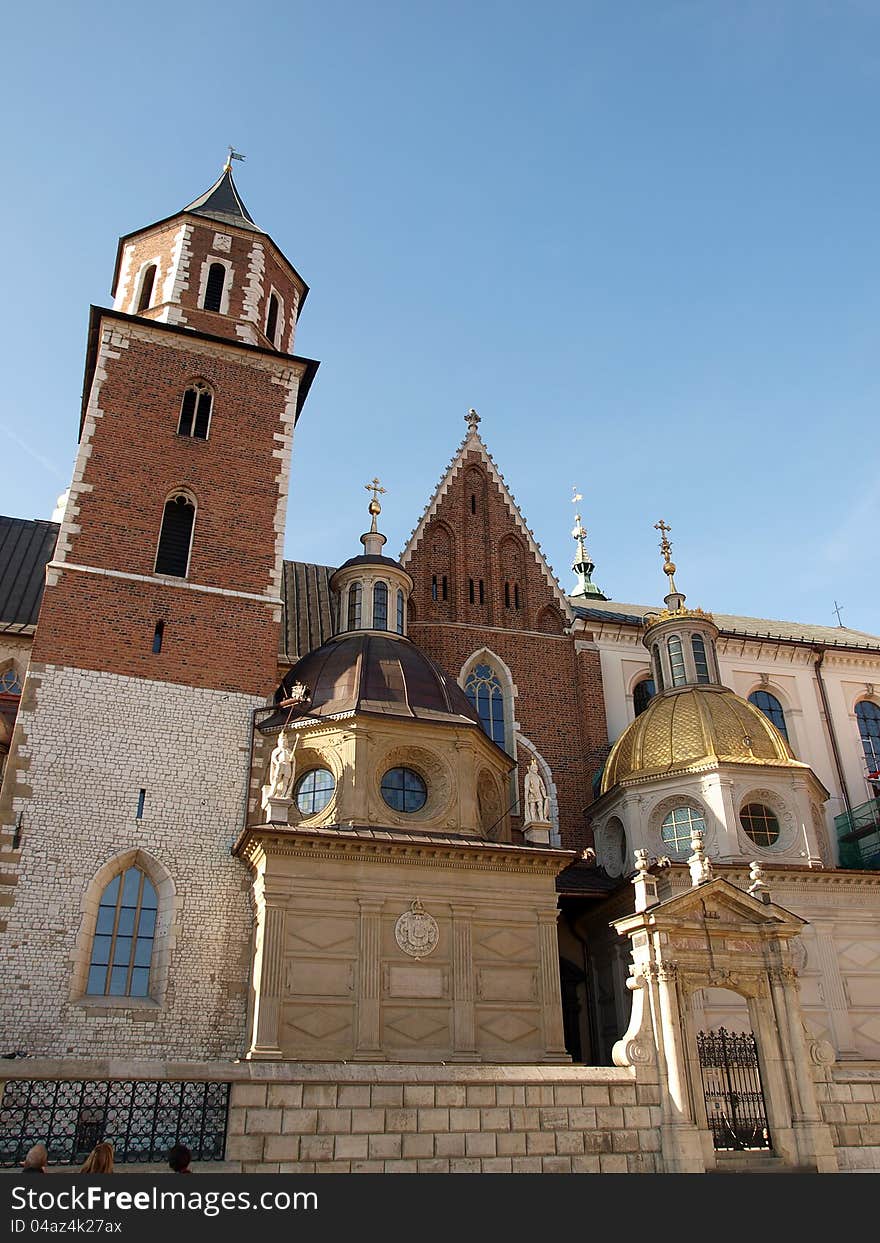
404	790
678	826
760	824
314	791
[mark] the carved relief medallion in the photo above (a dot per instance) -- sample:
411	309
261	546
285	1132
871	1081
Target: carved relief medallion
416	932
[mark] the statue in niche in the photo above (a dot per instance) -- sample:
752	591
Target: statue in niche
282	768
535	796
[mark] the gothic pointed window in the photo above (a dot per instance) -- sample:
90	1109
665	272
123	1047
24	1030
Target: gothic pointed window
483	689
195	412
643	693
701	660
272	318
772	709
868	717
122	947
146	296
400	608
10	682
380	607
214	287
175	539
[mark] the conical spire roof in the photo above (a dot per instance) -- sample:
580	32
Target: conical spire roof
223	202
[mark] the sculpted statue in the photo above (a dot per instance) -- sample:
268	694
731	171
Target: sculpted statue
535	794
282	768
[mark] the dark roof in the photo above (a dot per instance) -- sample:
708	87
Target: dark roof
371	559
377	673
223	202
581	880
307	612
25	548
734	624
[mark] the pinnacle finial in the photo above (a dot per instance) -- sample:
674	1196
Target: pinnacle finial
666	550
473	420
375	507
582	565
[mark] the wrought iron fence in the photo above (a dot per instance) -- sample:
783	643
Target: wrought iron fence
732	1089
142	1119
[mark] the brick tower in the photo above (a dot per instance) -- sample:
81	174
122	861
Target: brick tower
157	638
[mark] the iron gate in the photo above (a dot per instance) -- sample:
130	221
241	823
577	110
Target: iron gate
142	1119
732	1089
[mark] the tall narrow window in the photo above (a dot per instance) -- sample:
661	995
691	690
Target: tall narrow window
516	595
123	942
473	503
149	279
658	666
483	689
507	595
701	660
433	586
471	590
354	607
214	287
272	318
676	661
643	693
380	607
772	709
400	607
445	587
195	412
482	593
868	717
157	637
176	537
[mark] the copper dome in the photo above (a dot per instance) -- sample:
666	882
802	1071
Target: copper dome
380	673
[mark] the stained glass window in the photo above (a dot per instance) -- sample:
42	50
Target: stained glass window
483	689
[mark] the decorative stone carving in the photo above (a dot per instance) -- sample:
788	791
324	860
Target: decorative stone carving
537	821
278	790
700	867
758	888
417	932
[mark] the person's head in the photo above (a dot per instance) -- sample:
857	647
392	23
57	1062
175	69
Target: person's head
179	1158
99	1160
37	1158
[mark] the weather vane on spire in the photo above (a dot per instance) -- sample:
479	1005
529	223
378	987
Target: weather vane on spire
472	419
579	533
233	155
666	549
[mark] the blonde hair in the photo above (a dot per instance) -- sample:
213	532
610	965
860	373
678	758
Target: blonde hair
99	1160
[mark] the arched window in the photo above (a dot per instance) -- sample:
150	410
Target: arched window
214	287
701	660
658	667
772	709
10	682
195	412
123	943
272	318
354	607
868	717
483	689
147	282
380	607
676	661
176	537
677	828
400	608
643	693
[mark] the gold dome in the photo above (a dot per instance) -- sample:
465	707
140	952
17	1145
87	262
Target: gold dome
692	728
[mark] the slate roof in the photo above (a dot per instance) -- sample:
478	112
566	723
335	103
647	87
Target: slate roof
733	624
223	202
306	618
25	547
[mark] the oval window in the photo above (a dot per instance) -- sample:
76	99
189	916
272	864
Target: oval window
314	791
404	790
760	823
677	828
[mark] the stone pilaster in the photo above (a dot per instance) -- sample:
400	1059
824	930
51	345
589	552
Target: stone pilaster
367	1041
549	987
464	1040
267	1007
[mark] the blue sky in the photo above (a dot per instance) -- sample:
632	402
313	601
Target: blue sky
641	239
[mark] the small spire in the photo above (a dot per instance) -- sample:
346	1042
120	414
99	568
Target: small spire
674	598
473	421
233	155
375	507
372	540
582	565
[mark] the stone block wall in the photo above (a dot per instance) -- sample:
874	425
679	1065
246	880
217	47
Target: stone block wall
849	1098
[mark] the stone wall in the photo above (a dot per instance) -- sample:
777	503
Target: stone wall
849	1098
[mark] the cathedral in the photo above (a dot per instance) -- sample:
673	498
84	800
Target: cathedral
413	864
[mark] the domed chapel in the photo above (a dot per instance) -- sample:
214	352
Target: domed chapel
418	863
